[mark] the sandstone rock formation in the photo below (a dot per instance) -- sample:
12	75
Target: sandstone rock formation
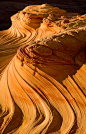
42	89
26	26
10	7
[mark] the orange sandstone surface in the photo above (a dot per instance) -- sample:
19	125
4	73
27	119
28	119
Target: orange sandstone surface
43	72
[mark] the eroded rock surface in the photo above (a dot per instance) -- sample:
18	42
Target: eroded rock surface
27	26
8	8
42	89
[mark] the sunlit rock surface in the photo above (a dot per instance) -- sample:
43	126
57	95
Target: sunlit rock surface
27	25
43	72
10	7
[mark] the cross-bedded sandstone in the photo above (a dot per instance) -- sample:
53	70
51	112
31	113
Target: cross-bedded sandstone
42	89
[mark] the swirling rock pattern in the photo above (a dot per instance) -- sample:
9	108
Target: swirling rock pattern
26	28
40	90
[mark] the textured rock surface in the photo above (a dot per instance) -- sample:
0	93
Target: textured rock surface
8	8
42	89
27	27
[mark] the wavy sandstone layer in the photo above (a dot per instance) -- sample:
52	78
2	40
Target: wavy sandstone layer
25	28
42	89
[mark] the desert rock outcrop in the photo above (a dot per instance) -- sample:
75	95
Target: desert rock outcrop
42	86
10	7
26	28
